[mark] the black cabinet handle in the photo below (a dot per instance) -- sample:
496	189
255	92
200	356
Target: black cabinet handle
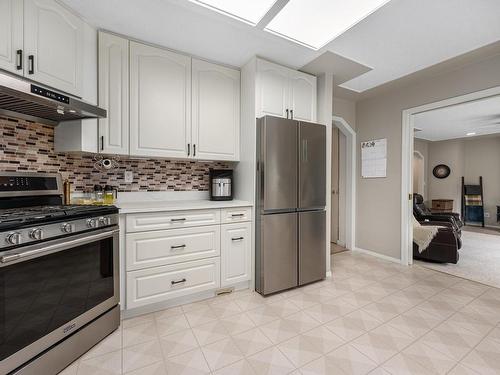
178	246
287	113
31	64
194	150
19	54
237	215
291	114
237	238
189	148
102	143
173	282
181	219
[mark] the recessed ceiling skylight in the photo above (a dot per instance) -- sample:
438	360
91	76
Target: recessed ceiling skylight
314	23
249	11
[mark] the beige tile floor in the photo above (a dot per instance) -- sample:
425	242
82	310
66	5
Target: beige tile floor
372	317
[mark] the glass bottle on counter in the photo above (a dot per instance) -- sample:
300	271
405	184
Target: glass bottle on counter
109	195
98	195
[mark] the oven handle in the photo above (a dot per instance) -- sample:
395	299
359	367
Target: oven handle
56	247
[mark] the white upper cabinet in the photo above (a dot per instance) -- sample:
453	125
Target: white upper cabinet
53	45
160	102
113	94
11	35
215	112
302	103
285	92
272	89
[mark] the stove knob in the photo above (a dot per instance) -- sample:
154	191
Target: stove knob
67	228
36	234
104	221
92	223
13	238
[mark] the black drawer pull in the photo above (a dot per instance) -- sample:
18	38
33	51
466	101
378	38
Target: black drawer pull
237	215
177	246
237	238
173	282
181	219
19	65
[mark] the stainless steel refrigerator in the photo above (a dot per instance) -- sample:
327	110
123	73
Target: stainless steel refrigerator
291	195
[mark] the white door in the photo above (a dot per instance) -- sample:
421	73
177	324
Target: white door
160	102
272	90
113	94
302	102
11	35
53	45
235	253
215	112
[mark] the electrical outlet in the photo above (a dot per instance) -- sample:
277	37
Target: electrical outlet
487	215
129	177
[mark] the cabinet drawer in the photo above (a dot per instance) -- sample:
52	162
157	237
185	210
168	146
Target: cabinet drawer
159	284
158	248
171	220
236	253
235	215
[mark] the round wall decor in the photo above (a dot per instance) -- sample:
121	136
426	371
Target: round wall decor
441	171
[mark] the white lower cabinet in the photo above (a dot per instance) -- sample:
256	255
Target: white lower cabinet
235	253
178	253
158	284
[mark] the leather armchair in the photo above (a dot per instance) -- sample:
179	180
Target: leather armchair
423	214
443	248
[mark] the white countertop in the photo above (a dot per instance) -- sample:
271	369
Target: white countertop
177	205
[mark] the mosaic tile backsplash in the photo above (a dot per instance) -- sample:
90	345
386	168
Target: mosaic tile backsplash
28	146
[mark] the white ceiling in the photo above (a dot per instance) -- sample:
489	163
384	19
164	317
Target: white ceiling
481	117
400	38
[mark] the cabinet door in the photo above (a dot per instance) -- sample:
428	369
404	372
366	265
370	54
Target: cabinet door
302	96
11	35
53	44
160	102
235	253
113	94
272	89
215	112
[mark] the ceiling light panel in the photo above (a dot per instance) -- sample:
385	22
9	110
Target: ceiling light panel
249	11
314	23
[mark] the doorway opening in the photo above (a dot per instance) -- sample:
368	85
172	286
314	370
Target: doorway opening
343	186
451	189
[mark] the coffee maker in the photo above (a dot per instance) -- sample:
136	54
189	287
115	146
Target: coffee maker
221	184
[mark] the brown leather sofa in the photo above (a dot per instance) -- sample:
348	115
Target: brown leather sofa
444	247
423	214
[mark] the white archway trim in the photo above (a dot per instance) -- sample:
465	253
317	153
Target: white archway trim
350	134
407	158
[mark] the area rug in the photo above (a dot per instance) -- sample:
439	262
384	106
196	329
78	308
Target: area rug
479	259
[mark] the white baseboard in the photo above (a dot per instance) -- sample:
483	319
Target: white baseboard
329	273
341	243
378	255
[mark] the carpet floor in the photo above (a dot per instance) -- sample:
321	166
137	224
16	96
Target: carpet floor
479	259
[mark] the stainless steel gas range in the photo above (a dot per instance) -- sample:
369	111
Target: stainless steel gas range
59	275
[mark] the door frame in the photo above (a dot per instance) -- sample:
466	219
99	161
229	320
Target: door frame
350	200
418	154
407	150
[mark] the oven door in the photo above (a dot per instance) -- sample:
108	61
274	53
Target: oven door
52	289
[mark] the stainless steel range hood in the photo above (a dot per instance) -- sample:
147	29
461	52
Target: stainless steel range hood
21	98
